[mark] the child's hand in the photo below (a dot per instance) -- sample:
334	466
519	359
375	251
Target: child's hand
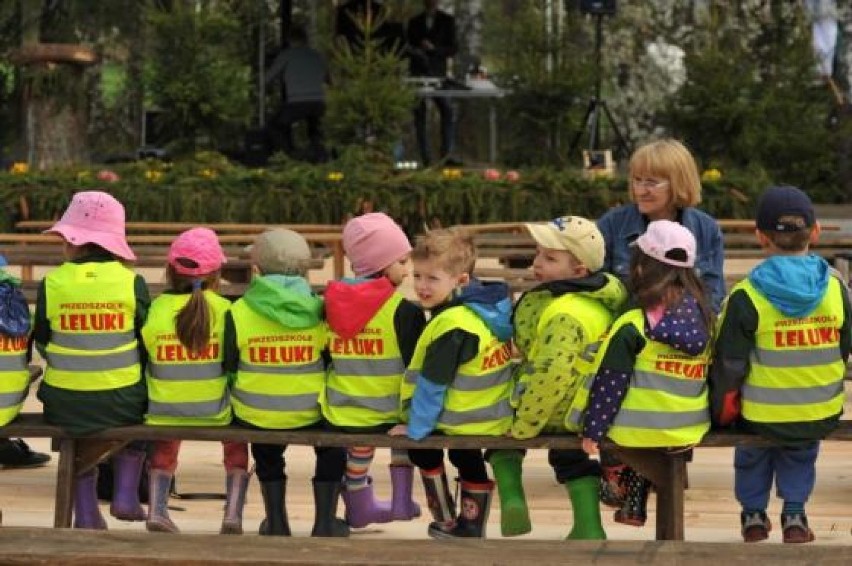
590	447
399	430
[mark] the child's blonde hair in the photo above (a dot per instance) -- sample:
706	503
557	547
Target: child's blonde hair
670	160
452	248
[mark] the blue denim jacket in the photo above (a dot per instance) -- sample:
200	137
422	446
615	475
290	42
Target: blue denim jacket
622	225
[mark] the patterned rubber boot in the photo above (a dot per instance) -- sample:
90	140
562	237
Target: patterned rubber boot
473	514
634	512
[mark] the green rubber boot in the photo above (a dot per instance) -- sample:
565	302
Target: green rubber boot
514	514
584	493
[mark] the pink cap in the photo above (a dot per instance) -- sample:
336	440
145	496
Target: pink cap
196	252
95	217
668	242
373	242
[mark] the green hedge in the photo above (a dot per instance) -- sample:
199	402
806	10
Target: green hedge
211	190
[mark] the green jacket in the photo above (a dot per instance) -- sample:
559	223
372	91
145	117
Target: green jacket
551	381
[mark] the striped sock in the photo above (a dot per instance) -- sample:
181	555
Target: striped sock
357	466
399	457
793	508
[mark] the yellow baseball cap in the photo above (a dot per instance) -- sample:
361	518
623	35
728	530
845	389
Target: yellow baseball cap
574	234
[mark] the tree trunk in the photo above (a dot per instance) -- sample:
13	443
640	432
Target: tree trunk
55	132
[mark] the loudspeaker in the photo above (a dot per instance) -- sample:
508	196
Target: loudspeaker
598	7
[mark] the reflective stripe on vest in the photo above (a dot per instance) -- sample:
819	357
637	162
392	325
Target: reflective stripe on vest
366	372
386	404
185	388
304	402
99	341
281	372
11	399
103	362
315	367
477	401
796	371
15	362
81	301
666	403
186	372
192	411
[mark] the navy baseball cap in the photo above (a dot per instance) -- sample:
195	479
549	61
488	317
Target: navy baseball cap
780	209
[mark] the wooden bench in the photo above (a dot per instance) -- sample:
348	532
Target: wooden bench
31	250
666	470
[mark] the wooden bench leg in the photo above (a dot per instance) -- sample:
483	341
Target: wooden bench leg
65	483
338	254
667	471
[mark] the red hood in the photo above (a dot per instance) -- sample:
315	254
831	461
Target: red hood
350	306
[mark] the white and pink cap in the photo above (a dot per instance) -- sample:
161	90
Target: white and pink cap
668	242
196	253
95	217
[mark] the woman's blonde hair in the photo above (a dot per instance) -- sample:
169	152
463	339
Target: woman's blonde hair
670	160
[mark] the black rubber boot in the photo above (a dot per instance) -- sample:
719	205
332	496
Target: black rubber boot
275	504
326	523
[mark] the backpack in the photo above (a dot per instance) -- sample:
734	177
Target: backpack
14	311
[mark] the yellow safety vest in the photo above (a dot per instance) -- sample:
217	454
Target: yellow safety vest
366	374
14	377
185	388
666	403
477	402
594	319
281	372
797	371
91	309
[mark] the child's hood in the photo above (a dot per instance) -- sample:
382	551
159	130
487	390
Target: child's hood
603	287
795	285
286	300
490	301
352	302
682	327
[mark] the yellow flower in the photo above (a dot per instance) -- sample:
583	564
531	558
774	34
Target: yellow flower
83	175
20	168
711	175
153	176
209	173
335	176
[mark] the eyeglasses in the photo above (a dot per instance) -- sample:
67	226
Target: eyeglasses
649	183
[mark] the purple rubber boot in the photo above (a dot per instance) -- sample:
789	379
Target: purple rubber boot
87	514
403	507
362	508
125	496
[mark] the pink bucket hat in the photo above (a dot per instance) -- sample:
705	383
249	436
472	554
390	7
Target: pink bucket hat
95	217
372	242
196	252
669	243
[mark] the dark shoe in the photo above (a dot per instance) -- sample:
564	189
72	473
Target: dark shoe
795	528
755	526
17	454
634	511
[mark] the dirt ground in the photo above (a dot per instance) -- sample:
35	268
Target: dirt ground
712	514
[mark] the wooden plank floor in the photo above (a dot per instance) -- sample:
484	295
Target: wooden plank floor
36	546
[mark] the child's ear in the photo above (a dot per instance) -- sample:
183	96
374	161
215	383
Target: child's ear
463	280
815	232
255	270
762	239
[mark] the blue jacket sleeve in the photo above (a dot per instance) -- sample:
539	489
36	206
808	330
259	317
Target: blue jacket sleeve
426	406
714	277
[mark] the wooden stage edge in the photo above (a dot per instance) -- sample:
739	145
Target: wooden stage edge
88	548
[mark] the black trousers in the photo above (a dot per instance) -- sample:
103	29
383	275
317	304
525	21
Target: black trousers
281	126
568	464
270	463
469	462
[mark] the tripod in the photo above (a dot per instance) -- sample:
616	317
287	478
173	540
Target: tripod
592	120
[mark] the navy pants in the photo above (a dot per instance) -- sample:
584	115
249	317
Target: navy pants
792	468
